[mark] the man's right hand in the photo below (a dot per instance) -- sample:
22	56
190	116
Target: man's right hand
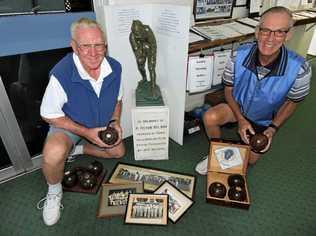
245	130
92	135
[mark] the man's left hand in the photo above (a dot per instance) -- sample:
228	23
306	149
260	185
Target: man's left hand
269	132
116	125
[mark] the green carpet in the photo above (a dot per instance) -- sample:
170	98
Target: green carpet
281	185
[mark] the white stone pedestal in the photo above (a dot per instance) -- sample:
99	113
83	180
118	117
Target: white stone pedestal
151	132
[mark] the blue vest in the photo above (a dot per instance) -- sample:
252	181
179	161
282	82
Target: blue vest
260	100
83	105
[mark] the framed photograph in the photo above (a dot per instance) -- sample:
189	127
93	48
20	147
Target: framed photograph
211	9
114	197
152	178
178	202
146	209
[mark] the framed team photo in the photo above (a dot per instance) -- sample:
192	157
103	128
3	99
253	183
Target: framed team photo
114	197
152	178
146	209
211	9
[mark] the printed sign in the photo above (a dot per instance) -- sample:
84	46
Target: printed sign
151	132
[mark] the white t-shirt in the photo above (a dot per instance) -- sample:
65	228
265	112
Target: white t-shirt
55	97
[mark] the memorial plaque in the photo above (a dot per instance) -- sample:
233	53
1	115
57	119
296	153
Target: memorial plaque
151	132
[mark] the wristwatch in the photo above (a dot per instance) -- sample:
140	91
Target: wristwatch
274	127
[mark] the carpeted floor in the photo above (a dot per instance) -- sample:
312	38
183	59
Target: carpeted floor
281	185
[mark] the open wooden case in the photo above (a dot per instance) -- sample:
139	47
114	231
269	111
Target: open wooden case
237	162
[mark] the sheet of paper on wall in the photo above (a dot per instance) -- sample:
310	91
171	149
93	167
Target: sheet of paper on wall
209	32
299	17
248	21
200	73
255	6
240	28
312	45
227	30
193	37
240	2
220	59
308	14
291	4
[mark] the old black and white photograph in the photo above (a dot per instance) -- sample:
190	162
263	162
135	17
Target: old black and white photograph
152	178
119	197
147	209
210	9
114	198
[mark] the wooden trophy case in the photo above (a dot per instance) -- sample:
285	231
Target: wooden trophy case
227	160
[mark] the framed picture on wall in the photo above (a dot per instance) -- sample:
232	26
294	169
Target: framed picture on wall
210	9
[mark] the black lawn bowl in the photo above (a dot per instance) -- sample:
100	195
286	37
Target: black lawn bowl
109	136
236	180
237	194
217	190
70	179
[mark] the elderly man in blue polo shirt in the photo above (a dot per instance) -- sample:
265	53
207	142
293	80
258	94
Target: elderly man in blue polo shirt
264	82
84	93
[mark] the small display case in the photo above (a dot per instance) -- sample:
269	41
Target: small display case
226	176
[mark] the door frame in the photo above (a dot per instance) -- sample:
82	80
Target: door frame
13	140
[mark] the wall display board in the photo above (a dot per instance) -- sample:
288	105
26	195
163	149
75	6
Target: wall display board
210	9
170	24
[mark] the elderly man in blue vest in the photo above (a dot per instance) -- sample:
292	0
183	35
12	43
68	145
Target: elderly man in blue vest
84	93
264	82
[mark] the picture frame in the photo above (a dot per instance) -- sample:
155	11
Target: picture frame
178	202
152	178
147	209
114	197
212	9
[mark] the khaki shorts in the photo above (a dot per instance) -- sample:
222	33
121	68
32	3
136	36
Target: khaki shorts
73	137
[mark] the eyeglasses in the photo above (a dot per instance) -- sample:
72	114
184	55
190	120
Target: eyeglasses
277	33
85	47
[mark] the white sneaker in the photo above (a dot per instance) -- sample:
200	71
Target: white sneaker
51	208
201	167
